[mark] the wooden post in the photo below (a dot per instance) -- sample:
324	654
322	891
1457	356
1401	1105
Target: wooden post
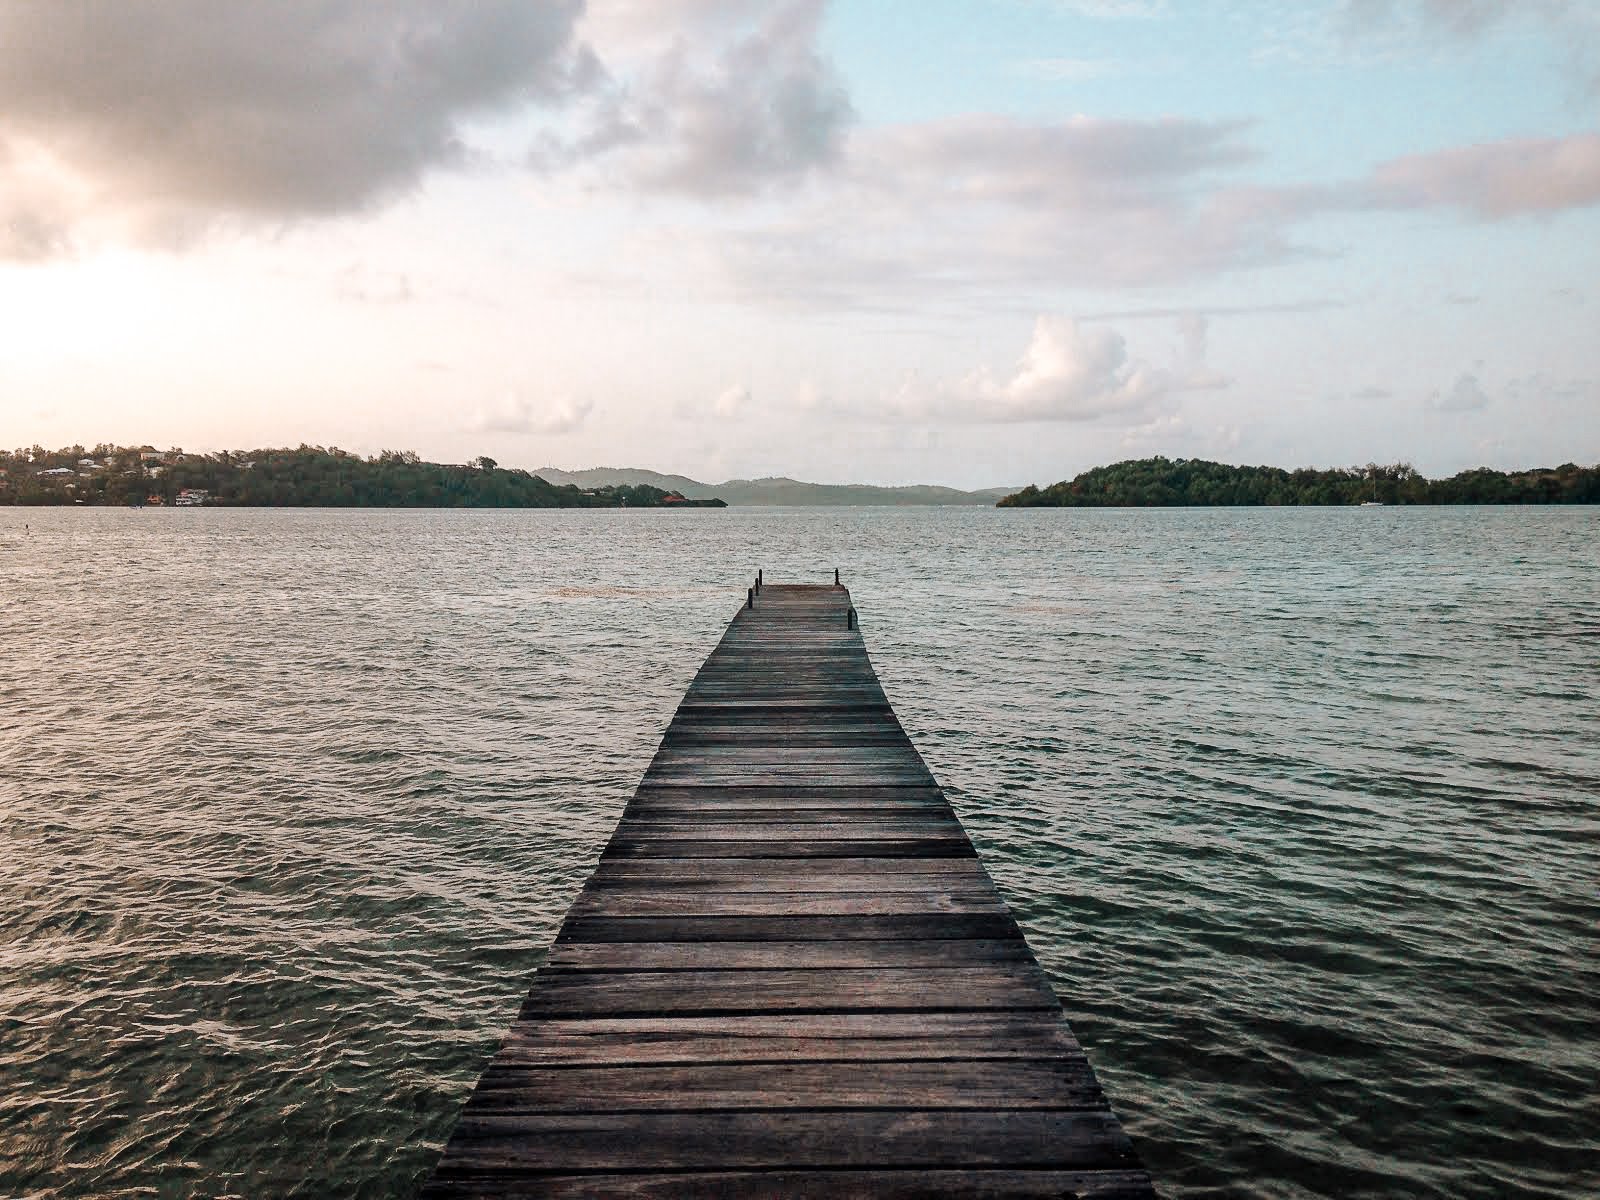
750	598
850	618
758	579
836	577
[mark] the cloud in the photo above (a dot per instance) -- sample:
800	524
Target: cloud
1466	394
1172	432
1459	18
989	201
1495	180
160	119
731	400
1194	333
515	415
997	203
1425	26
1081	162
1160	430
713	112
1456	17
810	397
1068	372
190	115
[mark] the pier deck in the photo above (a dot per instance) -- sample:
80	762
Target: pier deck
790	976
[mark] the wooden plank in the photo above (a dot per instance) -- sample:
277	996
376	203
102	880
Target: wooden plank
768	760
782	700
866	1037
822	777
678	956
908	847
755	793
905	1184
619	902
687	738
935	927
790	827
1058	1084
963	987
691	721
799	1139
698	875
777	870
818	805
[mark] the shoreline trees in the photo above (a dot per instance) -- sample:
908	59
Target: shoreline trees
306	476
1185	482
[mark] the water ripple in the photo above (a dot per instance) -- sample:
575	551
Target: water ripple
1298	809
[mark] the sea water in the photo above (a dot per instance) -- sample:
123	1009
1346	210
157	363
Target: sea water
1300	809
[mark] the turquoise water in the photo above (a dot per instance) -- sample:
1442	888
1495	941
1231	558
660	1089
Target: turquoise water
1300	809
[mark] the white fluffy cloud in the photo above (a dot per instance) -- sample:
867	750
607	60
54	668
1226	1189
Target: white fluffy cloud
1466	394
516	415
1069	371
731	401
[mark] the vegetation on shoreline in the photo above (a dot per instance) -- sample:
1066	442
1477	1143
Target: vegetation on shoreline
1163	482
308	476
314	476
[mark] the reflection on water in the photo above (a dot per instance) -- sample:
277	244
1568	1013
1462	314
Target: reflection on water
1298	808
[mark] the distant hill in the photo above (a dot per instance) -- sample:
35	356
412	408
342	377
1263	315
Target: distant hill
778	490
596	477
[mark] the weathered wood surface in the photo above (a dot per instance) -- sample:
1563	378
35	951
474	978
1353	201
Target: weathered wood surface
790	975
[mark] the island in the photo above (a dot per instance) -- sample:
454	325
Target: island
304	477
1182	482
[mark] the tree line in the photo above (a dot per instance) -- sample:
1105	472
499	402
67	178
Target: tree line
1164	482
306	476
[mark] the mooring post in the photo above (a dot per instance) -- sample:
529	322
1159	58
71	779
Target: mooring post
758	579
750	598
850	618
836	577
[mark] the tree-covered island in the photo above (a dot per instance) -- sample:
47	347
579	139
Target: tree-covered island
308	476
1166	483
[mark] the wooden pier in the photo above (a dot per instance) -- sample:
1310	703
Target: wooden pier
789	976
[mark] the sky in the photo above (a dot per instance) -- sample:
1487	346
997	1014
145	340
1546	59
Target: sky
971	242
